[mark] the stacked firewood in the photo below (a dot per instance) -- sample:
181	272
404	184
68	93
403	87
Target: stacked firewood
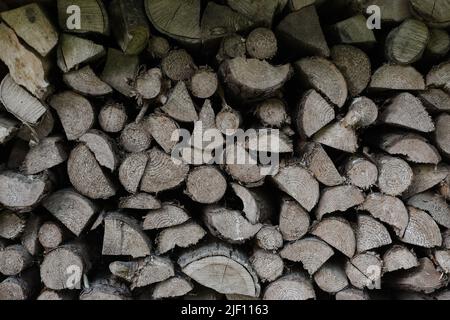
94	95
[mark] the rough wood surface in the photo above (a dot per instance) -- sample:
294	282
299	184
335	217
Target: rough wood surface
252	79
183	236
293	286
208	263
370	234
311	252
338	233
361	172
75	112
85	81
399	258
26	68
422	230
396	78
338	199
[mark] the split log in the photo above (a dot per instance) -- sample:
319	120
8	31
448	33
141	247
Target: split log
331	277
442	259
219	21
12	225
269	238
118	70
361	172
407	43
397	78
139	201
23	192
426	176
293	286
354	65
176	286
272	113
204	83
257	206
143	272
49	153
8	128
179	104
86	82
323	76
443	134
422	230
161	173
14	259
311	252
313	113
438	76
435	100
252	79
158	47
338	136
21	287
72	209
365	270
129	25
261	44
434	12
399	258
124	237
354	31
425	278
362	113
169	215
220	267
75	112
103	148
65	266
268	266
73	51
20	103
370	234
26	68
341	198
407	111
395	176
182	236
229	225
206	185
87	176
294	221
438	44
42	129
351	294
30	236
338	233
262	12
112	117
31	24
433	204
92	14
301	32
131	171
413	146
387	209
178	19
298	183
106	289
249	174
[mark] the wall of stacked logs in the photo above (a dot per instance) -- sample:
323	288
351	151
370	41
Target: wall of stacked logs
92	205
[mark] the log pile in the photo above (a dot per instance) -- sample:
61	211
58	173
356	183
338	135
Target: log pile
94	205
